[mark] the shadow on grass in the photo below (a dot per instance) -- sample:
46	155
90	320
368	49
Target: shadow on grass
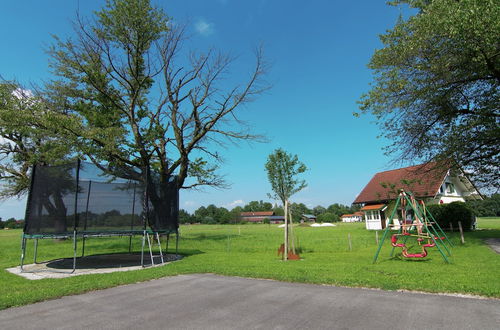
117	260
206	237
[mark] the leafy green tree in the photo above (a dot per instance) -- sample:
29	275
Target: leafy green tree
258	206
282	171
185	217
131	99
488	207
436	91
327	217
24	139
298	210
317	210
236	214
338	210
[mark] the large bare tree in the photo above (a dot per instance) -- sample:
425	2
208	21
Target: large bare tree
135	102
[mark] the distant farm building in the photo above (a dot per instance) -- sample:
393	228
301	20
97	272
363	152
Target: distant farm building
432	182
355	217
259	217
308	217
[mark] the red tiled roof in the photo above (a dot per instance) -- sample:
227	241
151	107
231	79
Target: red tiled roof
373	207
359	213
422	180
257	214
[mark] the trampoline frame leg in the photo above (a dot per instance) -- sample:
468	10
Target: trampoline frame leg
150	250
23	252
159	247
74	252
36	251
142	248
166	244
83	246
177	245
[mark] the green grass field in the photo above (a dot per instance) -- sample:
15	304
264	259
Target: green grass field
250	251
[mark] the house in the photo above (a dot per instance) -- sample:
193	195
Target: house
435	183
258	217
355	217
308	217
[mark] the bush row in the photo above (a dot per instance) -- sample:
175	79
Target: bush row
446	214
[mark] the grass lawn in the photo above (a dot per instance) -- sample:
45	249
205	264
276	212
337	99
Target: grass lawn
250	251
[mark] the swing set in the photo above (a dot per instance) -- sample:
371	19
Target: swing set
416	222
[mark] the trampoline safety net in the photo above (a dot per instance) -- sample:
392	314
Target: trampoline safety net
80	197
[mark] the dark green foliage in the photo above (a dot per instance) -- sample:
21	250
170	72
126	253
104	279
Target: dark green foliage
489	207
327	217
338	210
212	214
185	217
12	223
453	213
258	206
436	89
24	138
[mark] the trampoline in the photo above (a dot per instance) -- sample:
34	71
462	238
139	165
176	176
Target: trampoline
79	201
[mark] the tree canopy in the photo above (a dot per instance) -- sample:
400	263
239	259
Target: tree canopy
282	171
436	89
24	140
134	101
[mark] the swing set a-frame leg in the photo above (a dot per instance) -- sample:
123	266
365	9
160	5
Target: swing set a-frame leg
387	228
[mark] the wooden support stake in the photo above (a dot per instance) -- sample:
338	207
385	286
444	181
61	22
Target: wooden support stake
376	236
349	239
285	254
239	230
451	227
461	232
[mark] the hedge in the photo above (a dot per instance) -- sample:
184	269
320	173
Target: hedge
453	213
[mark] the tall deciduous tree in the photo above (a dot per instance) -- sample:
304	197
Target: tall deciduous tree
436	90
282	171
138	105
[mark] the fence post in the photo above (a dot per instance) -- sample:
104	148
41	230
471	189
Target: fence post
461	232
376	236
349	239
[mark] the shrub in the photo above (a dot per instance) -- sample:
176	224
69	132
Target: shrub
327	217
452	213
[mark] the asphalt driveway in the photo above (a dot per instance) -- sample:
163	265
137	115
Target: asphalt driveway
205	301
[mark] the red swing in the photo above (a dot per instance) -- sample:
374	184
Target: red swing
423	254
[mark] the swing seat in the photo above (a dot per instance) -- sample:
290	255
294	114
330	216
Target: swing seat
415	255
423	254
394	241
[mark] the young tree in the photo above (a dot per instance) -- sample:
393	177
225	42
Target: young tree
282	171
140	107
436	91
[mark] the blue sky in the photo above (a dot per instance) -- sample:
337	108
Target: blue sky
318	52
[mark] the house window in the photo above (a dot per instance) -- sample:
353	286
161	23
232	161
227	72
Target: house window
450	188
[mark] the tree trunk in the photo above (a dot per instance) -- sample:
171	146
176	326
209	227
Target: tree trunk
285	253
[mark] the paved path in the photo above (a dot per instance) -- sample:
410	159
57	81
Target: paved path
205	301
